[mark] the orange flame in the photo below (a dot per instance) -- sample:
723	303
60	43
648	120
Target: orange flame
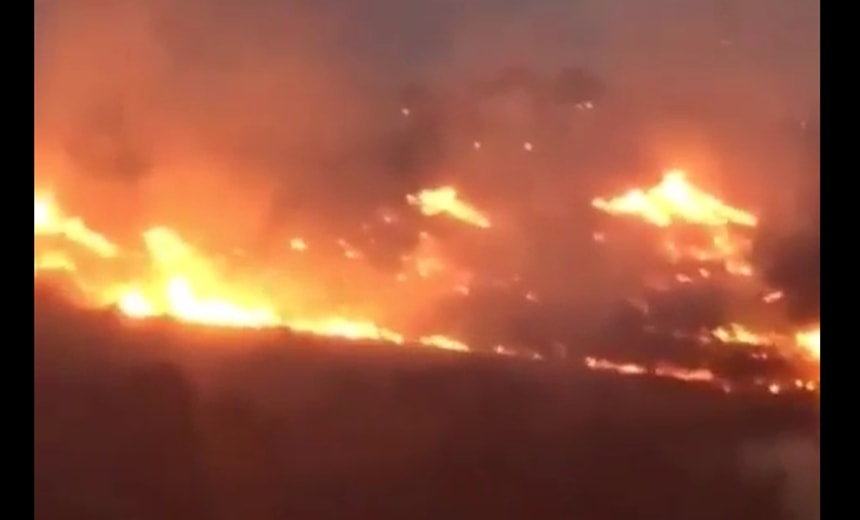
446	201
675	201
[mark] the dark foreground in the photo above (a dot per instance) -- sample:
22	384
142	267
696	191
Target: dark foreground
158	422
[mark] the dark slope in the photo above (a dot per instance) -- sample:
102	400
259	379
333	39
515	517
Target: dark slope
160	421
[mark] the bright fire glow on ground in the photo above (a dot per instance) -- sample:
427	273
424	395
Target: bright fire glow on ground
180	281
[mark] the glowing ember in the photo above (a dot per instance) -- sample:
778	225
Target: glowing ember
737	333
445	343
347	329
772	296
665	370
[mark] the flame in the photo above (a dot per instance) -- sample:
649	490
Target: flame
737	333
803	344
179	281
674	200
445	343
182	283
346	329
675	205
809	340
806	340
186	287
49	221
702	376
664	370
446	201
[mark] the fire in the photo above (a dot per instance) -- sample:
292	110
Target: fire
698	226
182	283
446	201
737	333
674	200
445	343
676	205
188	288
702	376
49	221
806	341
180	300
809	340
346	329
170	277
664	370
803	344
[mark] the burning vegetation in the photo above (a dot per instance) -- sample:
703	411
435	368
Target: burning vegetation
218	170
701	239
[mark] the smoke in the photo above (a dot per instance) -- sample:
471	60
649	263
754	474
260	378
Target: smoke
240	123
160	111
718	88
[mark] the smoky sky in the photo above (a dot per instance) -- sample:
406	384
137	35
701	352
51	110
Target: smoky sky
297	86
410	37
779	37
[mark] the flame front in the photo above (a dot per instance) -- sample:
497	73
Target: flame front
185	286
182	283
166	276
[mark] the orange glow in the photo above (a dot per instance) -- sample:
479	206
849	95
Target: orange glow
164	275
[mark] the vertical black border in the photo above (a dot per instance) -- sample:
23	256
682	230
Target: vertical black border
19	144
828	153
